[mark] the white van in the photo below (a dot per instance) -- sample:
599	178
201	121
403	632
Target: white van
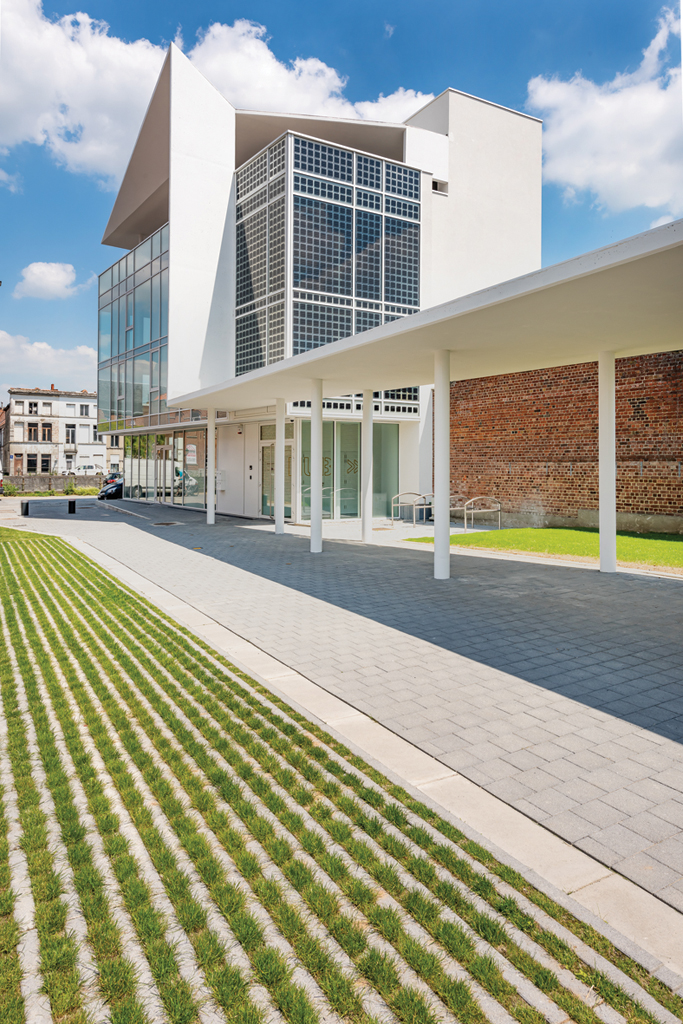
87	470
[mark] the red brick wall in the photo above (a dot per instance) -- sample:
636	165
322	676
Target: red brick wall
531	439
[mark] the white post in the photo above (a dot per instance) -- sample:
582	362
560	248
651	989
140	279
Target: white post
366	463
607	448
442	466
279	496
316	466
210	467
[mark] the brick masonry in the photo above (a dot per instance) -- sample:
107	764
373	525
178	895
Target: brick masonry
531	440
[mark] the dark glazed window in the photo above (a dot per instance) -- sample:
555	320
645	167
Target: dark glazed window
33	431
402	262
368	172
368	255
322	246
366	320
314	326
325	160
47	432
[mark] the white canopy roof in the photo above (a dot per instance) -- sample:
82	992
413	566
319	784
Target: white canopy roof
626	298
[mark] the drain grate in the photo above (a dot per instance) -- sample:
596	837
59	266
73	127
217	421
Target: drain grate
167	524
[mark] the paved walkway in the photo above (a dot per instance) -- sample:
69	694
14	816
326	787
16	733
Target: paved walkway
557	689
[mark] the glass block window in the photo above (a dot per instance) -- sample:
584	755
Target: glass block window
314	326
323	189
276	245
322	247
276	332
276	158
366	320
402	181
251	258
252	203
401	261
389	317
252	176
368	172
250	342
370	200
368	255
400	208
403	395
316	158
276	188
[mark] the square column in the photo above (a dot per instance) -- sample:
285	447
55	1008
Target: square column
367	466
316	467
279	488
607	468
442	465
210	467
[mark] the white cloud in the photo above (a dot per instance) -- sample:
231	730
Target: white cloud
389	29
50	281
37	364
10	181
620	142
69	85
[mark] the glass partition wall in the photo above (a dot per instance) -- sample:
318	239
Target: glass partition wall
170	468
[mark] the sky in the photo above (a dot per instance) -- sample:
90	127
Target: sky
603	75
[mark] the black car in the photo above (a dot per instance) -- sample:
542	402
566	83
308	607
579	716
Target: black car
114	490
112	478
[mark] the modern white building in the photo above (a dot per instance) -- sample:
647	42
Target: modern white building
50	432
256	237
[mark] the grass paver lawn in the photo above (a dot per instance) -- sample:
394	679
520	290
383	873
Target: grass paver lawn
267	872
657	549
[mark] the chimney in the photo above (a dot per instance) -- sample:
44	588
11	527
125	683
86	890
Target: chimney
52	387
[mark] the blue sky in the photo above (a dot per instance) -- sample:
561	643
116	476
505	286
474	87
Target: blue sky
74	93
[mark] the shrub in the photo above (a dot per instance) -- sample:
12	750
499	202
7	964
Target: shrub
9	490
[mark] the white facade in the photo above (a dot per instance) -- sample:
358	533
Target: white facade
200	177
51	432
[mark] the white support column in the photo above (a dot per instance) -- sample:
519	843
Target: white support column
442	465
607	446
367	467
316	466
210	467
279	496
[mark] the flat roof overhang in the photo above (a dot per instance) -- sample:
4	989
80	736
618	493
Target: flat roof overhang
626	298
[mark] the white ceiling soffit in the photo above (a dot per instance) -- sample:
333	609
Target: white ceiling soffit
255	129
141	205
625	298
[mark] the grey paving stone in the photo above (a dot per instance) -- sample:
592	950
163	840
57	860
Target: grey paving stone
570	825
600	813
621	839
669	852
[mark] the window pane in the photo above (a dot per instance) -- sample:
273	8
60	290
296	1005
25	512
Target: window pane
129	387
164	238
105	282
163	377
163	330
115	328
156	244
384	467
141	386
105	334
328	469
156	307
143	254
130	263
348	466
195	468
143	298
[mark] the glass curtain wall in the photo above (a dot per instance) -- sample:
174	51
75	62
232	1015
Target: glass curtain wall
342	469
133	336
166	467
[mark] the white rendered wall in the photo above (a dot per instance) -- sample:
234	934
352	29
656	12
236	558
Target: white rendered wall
201	261
488	227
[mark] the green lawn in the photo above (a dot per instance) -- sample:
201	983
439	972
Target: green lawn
664	549
264	869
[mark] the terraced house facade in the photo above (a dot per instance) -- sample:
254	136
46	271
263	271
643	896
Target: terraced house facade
253	237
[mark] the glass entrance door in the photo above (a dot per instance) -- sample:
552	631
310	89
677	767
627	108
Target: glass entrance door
268	480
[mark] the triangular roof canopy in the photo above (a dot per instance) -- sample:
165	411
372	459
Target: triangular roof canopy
142	202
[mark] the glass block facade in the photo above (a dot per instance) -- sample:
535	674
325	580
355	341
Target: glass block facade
133	337
327	245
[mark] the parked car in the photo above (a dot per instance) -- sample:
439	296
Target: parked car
87	469
1	483
112	478
113	490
